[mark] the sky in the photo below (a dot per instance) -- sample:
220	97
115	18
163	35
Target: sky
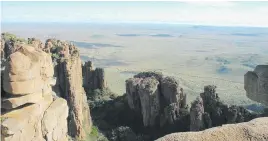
202	13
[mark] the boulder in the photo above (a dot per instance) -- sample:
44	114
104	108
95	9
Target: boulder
254	130
28	110
256	84
24	124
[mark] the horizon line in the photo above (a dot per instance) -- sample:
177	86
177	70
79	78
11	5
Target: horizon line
135	22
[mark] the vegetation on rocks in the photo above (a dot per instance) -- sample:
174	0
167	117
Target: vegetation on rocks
11	37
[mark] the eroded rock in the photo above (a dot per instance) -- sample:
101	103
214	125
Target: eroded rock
69	85
93	78
196	114
27	81
254	130
256	84
158	98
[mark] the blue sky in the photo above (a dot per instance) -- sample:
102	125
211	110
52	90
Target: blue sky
204	13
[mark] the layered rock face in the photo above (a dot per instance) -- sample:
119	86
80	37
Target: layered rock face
254	130
69	86
29	110
196	115
256	84
157	98
93	78
208	111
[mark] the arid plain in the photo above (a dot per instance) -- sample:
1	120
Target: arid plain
195	55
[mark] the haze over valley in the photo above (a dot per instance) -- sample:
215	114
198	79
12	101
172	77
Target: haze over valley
196	55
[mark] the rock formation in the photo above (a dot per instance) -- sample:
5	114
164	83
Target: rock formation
9	44
256	84
2	42
157	98
30	112
93	79
59	48
208	111
68	71
196	115
254	130
36	43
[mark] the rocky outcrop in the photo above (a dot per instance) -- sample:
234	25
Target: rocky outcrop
256	84
93	78
36	43
29	109
150	100
69	86
157	98
196	114
59	48
209	111
2	42
9	44
254	130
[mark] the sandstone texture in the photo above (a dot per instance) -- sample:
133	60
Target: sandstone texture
68	70
256	84
28	103
254	130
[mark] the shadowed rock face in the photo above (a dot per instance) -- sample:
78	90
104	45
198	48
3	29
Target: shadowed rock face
156	98
2	49
149	99
93	79
30	111
196	114
256	84
208	111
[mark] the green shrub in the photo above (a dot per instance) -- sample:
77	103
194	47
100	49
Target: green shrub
55	56
8	36
94	131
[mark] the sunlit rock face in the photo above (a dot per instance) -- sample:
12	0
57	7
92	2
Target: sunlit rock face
256	84
69	85
254	130
157	98
30	111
